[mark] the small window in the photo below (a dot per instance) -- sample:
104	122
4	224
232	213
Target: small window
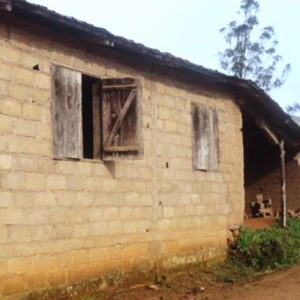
95	118
205	138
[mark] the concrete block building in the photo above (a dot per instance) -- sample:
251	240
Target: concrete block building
115	158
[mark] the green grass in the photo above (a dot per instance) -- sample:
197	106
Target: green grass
258	251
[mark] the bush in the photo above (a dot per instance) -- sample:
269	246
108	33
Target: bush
267	249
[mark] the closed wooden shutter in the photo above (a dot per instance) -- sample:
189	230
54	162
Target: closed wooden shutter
205	138
121	118
67	116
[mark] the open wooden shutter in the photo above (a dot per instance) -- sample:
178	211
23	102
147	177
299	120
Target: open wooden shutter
121	118
67	117
206	154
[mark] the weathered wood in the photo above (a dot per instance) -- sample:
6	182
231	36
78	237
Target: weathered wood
269	133
215	144
125	81
198	154
67	116
107	120
96	120
205	138
283	183
122	114
119	87
121	148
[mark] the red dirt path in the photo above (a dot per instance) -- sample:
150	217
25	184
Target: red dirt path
282	285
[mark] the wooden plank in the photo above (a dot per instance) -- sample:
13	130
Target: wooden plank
201	138
67	118
214	143
204	141
129	127
107	118
119	87
128	134
282	183
107	82
96	120
195	136
121	148
122	114
205	138
272	136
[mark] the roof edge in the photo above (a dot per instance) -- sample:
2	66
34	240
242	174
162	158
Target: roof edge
266	107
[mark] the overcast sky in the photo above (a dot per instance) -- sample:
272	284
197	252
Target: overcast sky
190	28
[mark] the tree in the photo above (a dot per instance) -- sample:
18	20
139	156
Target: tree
294	108
256	60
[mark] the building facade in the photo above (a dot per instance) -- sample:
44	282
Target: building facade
110	163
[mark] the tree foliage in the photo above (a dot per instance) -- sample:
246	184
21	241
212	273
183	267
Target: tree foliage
248	58
294	108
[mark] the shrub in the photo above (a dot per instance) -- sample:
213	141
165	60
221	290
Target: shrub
267	249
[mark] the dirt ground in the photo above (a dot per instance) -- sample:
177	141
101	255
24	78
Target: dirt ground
284	284
259	223
216	282
198	282
194	284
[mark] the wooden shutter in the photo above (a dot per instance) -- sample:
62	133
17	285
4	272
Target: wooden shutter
121	118
67	116
205	138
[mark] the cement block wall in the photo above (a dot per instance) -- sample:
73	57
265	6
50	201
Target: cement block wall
63	221
270	187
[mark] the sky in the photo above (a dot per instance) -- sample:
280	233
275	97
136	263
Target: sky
190	28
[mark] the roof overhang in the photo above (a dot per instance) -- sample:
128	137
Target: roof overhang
249	96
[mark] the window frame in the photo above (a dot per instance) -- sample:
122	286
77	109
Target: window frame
100	157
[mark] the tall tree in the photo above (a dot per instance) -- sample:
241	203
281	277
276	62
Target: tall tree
250	58
294	108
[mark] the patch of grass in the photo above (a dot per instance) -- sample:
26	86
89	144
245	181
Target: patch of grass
267	249
258	251
231	272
